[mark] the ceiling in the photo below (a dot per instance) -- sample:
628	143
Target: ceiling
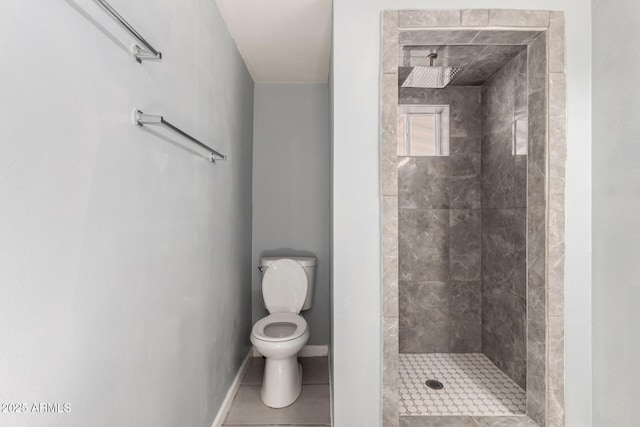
478	62
281	41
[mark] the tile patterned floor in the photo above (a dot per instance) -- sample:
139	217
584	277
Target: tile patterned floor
312	409
473	386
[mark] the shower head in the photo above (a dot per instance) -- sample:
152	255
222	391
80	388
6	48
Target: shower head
435	77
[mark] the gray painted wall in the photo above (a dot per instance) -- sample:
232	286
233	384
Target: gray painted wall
291	193
125	260
616	218
356	260
439	233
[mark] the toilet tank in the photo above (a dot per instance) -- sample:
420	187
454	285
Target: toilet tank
309	265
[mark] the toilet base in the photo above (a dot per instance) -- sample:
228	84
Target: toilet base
282	382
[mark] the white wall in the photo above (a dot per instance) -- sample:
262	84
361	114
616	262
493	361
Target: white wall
616	222
124	260
291	193
356	214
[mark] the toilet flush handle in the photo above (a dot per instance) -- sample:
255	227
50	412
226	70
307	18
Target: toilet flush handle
261	268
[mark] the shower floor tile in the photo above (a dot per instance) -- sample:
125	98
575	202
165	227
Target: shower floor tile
473	386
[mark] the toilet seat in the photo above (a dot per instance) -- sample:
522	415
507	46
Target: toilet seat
279	327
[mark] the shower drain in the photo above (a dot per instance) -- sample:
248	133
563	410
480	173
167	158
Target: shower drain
436	385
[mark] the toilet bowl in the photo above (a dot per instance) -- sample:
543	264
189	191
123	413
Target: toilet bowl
283	333
279	337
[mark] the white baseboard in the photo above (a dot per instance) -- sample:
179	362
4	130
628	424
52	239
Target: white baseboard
228	400
314	351
307	351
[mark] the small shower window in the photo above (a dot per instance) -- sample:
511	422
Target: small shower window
423	130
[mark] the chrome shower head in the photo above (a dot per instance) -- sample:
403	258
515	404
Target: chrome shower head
435	77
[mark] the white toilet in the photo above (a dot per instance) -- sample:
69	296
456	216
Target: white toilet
287	289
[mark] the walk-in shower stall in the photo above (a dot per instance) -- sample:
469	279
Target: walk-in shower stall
466	187
462	200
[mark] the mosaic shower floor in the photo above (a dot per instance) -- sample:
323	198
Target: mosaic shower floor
473	385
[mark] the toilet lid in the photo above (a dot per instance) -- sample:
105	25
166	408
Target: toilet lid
284	287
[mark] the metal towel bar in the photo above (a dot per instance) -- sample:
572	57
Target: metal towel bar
141	119
139	53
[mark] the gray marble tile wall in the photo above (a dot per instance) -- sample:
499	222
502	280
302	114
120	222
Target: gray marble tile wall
537	205
389	192
439	222
504	220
